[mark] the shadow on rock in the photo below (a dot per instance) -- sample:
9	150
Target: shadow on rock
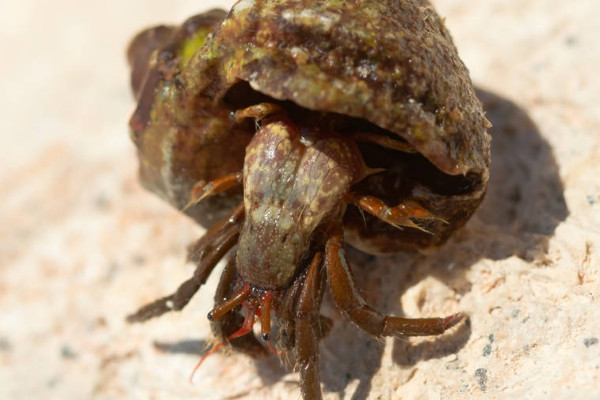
523	206
525	195
268	367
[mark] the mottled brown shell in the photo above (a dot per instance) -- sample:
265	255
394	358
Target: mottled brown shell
388	67
176	149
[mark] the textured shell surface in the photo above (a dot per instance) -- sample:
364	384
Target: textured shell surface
390	62
385	67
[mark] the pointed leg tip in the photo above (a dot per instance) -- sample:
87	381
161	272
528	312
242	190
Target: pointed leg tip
137	317
453	320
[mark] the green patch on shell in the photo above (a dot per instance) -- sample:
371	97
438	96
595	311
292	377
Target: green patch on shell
190	46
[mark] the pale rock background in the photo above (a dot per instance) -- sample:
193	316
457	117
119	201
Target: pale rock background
81	244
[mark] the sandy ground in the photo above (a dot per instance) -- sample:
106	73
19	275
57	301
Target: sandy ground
81	244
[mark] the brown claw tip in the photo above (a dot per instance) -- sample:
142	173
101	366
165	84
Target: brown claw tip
453	320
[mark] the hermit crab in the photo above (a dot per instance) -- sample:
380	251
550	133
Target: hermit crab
291	128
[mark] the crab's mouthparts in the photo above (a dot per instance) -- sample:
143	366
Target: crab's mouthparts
257	306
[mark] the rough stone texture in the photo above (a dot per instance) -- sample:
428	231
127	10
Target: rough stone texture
81	244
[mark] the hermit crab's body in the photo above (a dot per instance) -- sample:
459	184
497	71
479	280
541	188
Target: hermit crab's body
302	125
295	183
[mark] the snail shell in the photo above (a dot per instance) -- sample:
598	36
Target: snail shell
383	67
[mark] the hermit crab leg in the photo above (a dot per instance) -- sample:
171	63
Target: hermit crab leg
286	326
258	111
228	305
265	315
232	321
203	189
176	301
262	309
308	329
197	250
400	215
349	301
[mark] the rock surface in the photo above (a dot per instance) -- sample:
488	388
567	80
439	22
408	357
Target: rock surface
81	244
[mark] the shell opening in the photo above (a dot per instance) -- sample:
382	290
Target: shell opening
403	170
405	177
